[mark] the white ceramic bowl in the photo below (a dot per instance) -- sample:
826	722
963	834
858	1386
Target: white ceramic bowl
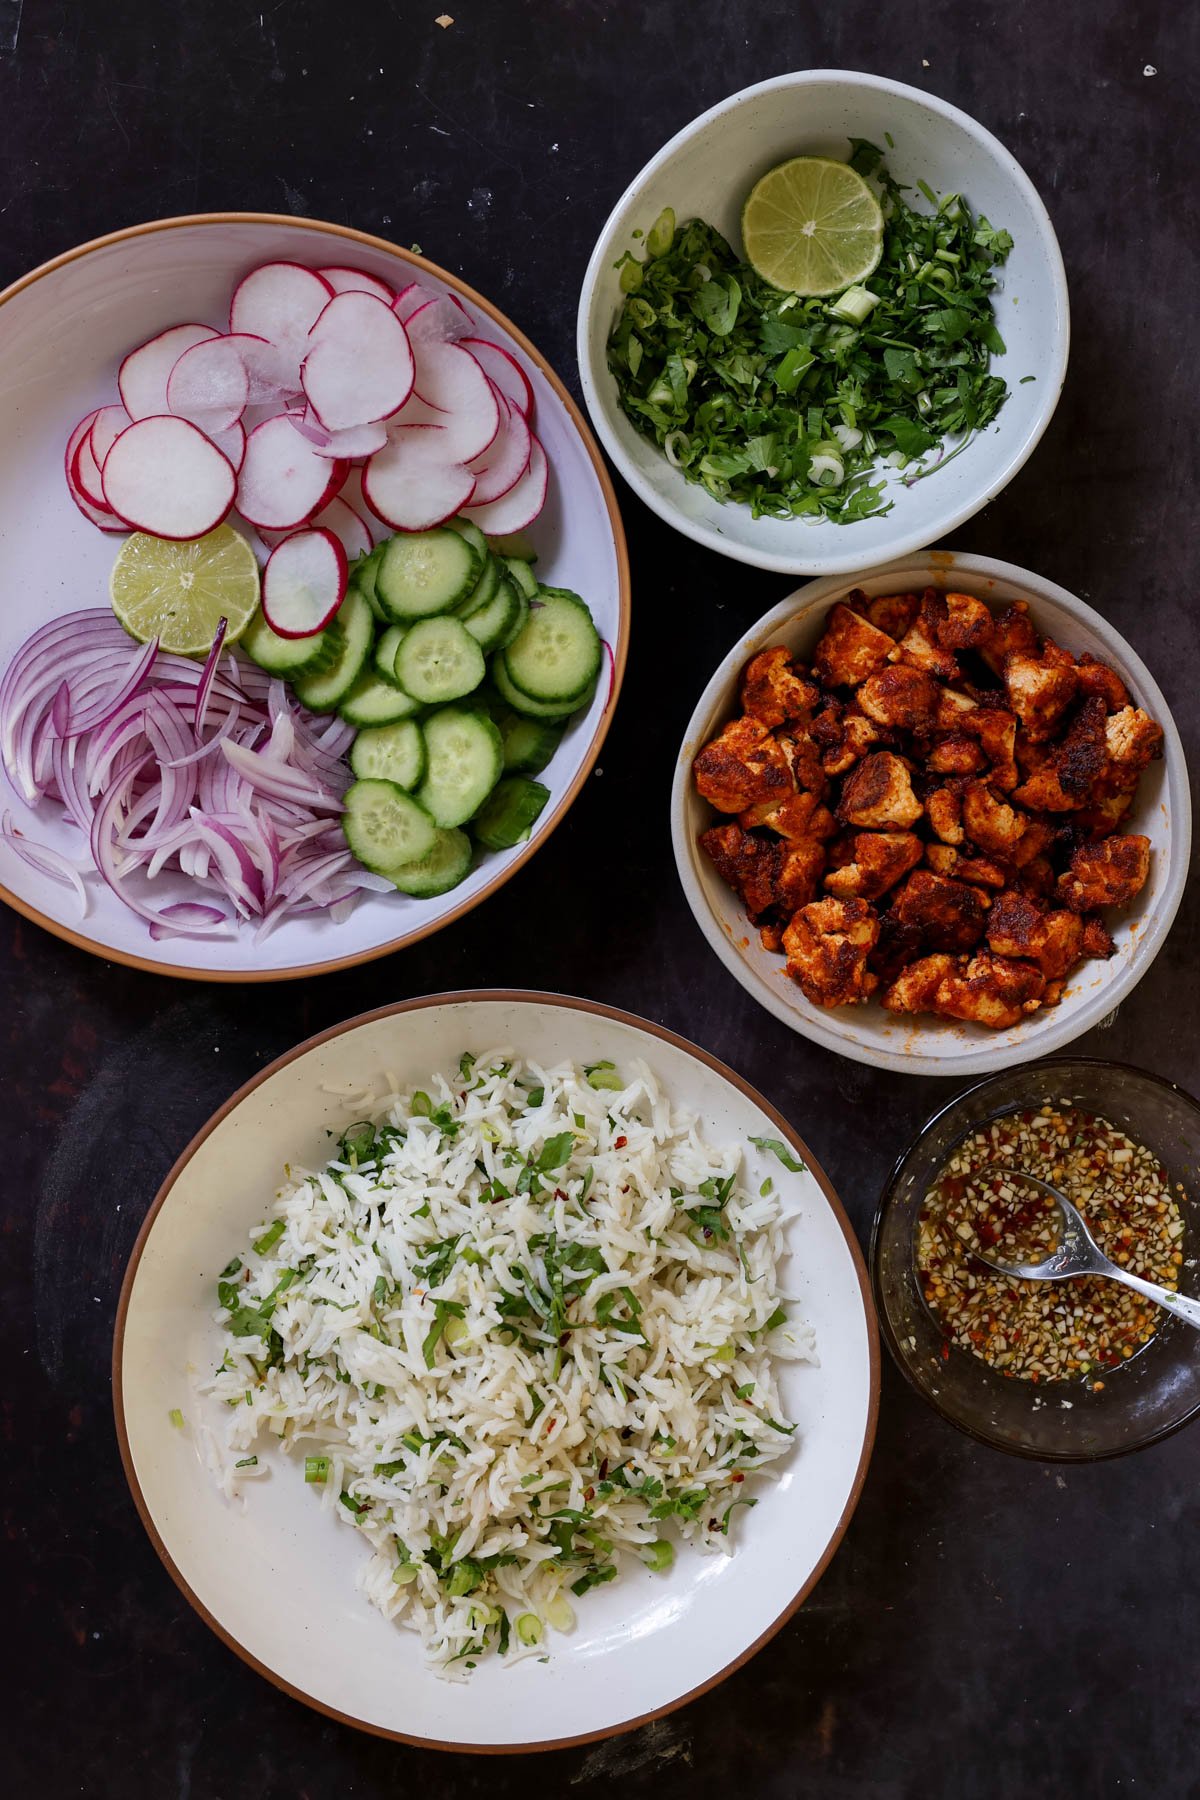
924	1045
63	331
707	170
274	1577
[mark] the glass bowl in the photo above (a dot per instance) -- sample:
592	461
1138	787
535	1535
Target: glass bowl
1142	1400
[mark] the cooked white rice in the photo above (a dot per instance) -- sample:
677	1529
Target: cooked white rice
547	1377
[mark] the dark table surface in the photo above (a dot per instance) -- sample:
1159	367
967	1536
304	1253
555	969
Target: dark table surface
990	1627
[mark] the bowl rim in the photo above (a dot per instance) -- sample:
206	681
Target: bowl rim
886	1197
569	1003
599	402
944	566
348	235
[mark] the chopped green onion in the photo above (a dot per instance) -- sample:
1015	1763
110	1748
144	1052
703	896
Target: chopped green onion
658	1555
855	304
234	1267
778	1148
247	1462
176	1418
661	234
604	1077
529	1628
559	1613
316	1468
404	1574
270	1237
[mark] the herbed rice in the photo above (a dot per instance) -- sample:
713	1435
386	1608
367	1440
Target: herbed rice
519	1325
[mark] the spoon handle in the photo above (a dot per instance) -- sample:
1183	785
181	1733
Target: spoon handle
1179	1304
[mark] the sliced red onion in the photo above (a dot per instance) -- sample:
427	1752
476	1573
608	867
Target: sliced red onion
184	918
204	685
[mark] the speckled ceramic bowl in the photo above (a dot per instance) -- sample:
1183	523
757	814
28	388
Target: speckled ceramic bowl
925	1045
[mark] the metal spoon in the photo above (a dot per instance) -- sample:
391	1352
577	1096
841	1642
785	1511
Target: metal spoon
1079	1254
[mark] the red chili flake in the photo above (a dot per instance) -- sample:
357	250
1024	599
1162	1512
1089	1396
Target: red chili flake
604	1468
945	1353
589	1494
737	1476
620	1143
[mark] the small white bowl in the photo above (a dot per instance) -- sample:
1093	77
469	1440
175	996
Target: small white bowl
920	1045
706	171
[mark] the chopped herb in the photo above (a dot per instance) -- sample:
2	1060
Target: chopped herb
270	1237
603	1076
596	1576
247	1462
555	1152
357	1144
176	1418
777	1318
780	1149
536	1096
443	1310
357	1507
466	1065
316	1468
231	1269
729	1511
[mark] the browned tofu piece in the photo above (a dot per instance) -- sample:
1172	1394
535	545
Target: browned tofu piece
997	732
980	871
913	990
992	990
921	646
1066	778
1095	677
801	867
948	914
877	861
827	946
1012	634
1133	740
741	766
954	712
1018	926
1104	814
957	754
774	690
893	613
944	807
803	756
1097	940
966	623
1108	873
799	816
850	650
1039	694
749	864
1035	840
770	936
989	822
878	794
844	737
901	699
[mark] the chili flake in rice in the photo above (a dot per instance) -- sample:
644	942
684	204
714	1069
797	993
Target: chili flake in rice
521	1324
1047	1330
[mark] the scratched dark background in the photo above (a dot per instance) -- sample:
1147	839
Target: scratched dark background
990	1627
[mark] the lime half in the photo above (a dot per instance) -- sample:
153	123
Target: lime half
812	226
180	592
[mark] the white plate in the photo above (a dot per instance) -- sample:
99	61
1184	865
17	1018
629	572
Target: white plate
63	331
706	172
275	1578
925	1045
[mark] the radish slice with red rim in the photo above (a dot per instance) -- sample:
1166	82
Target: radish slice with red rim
162	475
354	444
348	526
522	503
210	384
283	481
304	583
145	372
409	298
356	281
354	494
359	367
438	320
279	302
95	515
107	426
506	458
501	367
87	471
231	442
452	391
414	483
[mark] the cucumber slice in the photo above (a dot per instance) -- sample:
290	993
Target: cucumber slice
558	653
324	691
384	657
501	620
390	753
468	529
374	702
440	869
528	744
521	703
522	574
439	660
291	657
483	590
363	571
508	813
465	761
385	827
425	572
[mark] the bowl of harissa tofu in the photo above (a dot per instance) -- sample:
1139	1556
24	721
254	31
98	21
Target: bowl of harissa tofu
934	816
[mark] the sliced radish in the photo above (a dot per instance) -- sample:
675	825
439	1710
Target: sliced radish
522	503
502	367
283	481
96	515
144	374
162	475
453	391
210	384
348	526
409	298
304	583
280	302
354	495
107	426
356	281
87	471
359	367
356	442
413	484
506	458
440	319
231	442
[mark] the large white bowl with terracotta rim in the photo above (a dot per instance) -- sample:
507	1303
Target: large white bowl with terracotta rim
63	330
923	1045
274	1577
706	171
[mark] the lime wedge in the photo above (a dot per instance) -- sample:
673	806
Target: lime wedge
812	226
180	592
